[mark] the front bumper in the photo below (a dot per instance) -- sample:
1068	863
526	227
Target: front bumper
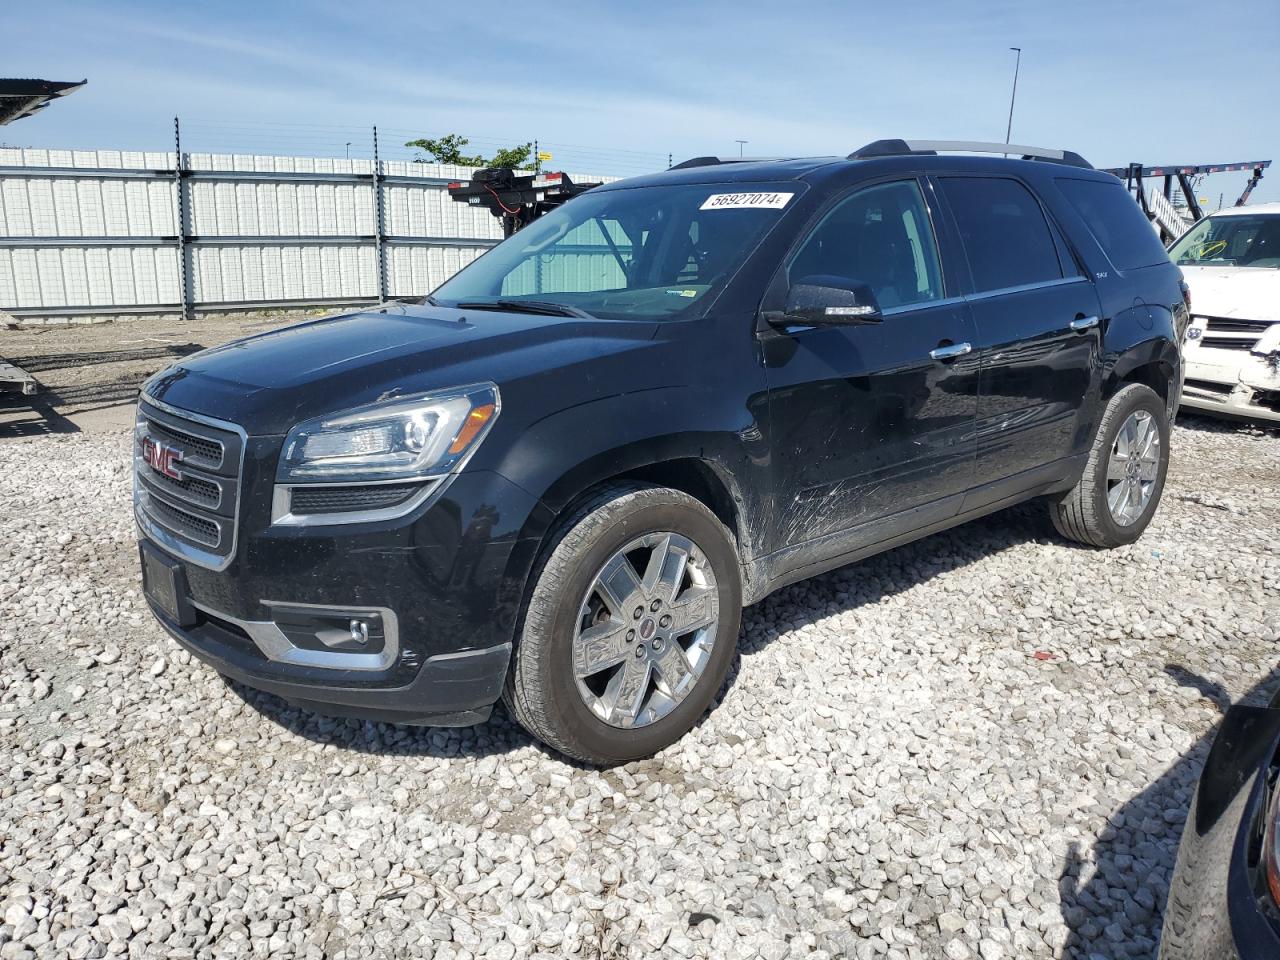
1229	402
445	582
1215	911
448	690
1236	382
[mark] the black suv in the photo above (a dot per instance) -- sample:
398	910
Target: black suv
559	479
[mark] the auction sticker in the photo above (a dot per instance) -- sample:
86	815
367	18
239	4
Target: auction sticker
740	201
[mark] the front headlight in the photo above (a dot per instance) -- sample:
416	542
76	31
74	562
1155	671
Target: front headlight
406	438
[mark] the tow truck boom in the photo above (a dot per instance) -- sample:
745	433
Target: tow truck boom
1159	209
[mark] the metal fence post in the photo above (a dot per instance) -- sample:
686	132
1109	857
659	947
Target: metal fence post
378	225
178	167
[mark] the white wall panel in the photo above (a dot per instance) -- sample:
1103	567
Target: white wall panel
143	267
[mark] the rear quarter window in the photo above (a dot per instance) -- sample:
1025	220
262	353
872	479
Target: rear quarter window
1113	217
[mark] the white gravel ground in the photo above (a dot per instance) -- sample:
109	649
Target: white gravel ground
981	745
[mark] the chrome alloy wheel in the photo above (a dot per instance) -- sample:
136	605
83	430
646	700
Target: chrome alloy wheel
645	630
1133	467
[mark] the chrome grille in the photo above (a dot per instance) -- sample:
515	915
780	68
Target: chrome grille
190	488
1233	333
200	450
191	508
184	522
1227	343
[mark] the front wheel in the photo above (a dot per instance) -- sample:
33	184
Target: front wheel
1120	488
630	627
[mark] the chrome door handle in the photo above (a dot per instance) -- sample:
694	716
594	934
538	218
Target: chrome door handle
951	351
1081	324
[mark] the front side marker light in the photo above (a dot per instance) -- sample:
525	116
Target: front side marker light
475	421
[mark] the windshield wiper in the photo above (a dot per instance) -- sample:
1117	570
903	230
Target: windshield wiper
543	308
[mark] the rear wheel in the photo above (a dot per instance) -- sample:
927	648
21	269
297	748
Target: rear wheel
1120	489
630	626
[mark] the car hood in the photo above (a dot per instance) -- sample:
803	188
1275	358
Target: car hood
1248	293
269	382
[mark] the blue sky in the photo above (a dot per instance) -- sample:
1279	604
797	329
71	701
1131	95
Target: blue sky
614	88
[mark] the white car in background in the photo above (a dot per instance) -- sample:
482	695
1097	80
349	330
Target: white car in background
1231	261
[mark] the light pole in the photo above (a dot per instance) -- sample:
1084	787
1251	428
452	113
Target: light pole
1014	95
741	144
348	149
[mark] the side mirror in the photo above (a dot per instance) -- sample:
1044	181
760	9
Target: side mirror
826	301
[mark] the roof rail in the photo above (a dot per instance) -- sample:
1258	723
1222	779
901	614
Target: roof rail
712	161
897	148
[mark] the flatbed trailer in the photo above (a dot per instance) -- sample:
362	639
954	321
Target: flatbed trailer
14	378
516	200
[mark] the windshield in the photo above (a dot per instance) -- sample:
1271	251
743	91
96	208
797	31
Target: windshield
645	253
1239	240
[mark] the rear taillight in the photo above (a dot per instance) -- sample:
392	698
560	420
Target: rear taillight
1271	846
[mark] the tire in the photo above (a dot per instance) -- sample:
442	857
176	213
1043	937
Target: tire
544	690
1085	513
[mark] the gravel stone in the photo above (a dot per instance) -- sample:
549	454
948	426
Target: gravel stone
981	745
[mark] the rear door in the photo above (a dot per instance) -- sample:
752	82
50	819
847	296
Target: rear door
1038	331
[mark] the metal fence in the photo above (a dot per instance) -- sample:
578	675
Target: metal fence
92	234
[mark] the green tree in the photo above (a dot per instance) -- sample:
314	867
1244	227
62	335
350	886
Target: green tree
448	149
512	158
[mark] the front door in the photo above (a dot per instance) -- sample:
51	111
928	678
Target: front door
872	427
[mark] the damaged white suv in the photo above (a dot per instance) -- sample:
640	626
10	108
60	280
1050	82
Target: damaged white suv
1231	261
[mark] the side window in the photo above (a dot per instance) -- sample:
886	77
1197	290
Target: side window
1115	221
1066	259
1005	234
880	236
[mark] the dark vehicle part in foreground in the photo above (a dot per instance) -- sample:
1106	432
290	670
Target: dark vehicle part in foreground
516	200
1224	898
559	479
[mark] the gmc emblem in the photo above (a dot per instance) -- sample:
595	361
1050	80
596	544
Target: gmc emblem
162	458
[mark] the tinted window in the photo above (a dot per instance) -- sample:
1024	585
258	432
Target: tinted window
1004	232
880	236
1117	224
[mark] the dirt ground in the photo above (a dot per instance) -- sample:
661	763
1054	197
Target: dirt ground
89	374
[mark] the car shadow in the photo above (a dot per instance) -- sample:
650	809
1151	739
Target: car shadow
31	417
1113	896
499	735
